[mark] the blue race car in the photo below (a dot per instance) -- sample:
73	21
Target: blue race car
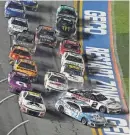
30	4
82	112
14	9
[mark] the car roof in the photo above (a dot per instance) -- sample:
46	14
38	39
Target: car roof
71	90
28	61
72	66
34	94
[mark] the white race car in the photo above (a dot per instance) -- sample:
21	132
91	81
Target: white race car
17	25
54	81
74	74
96	100
73	58
32	103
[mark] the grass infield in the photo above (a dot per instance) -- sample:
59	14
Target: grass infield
121	14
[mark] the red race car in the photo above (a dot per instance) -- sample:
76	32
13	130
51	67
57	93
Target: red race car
69	45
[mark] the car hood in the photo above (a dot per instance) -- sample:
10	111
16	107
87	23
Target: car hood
111	103
34	106
74	77
81	65
57	85
16	84
18	28
93	117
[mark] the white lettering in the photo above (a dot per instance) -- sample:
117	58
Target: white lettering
121	128
97	24
103	72
99	65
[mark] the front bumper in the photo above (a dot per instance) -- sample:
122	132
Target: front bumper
32	112
95	124
16	90
113	110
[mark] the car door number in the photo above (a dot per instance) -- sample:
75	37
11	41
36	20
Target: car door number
94	104
21	84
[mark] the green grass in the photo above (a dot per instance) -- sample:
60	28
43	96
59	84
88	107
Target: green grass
121	14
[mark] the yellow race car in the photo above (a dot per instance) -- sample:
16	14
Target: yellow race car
27	67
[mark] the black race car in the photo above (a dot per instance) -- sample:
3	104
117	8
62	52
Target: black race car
25	39
65	27
45	35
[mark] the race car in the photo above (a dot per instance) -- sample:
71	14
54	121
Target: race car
30	4
82	112
17	25
14	9
54	81
45	35
27	67
32	103
25	39
69	45
65	28
18	82
67	12
74	74
18	52
73	58
96	100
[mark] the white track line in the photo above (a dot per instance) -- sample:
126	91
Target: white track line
6	98
17	127
3	80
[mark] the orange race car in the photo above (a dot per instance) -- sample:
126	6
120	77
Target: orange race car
18	52
27	67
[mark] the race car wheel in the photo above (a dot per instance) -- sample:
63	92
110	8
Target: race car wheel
61	109
102	109
84	121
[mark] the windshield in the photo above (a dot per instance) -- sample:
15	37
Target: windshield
21	79
74	59
21	52
25	39
27	66
71	47
34	99
73	71
87	109
67	12
20	23
100	97
45	32
15	5
57	79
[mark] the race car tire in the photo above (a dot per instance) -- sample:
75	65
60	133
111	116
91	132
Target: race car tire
102	109
84	121
61	109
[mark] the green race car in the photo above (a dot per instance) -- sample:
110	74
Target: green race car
67	12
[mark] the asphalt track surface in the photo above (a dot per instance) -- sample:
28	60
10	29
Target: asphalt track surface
53	123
